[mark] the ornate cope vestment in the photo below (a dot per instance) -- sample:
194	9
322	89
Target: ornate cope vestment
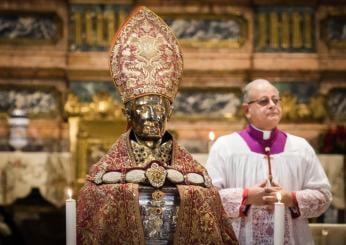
110	213
145	59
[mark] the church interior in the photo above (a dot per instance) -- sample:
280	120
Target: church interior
60	111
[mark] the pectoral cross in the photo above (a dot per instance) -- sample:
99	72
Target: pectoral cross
270	176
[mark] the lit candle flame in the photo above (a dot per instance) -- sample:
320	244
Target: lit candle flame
278	196
211	136
69	193
102	106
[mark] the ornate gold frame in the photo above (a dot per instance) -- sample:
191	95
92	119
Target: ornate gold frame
94	132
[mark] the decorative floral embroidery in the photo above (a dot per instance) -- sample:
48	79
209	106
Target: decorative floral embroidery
258	227
263	227
231	199
258	223
313	203
145	57
108	209
97	223
200	218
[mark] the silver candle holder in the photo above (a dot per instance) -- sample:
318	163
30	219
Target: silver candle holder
18	124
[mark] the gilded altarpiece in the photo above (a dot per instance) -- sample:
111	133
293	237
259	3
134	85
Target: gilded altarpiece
96	121
92	25
285	29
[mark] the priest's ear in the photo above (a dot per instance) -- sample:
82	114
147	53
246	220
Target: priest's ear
246	110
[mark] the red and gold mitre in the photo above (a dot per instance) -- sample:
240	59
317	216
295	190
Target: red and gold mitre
145	57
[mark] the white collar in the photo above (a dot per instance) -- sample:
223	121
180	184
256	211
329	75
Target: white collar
266	133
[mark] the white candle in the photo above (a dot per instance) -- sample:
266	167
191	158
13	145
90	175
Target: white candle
211	139
70	219
279	221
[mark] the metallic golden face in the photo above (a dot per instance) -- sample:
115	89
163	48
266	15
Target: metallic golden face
148	116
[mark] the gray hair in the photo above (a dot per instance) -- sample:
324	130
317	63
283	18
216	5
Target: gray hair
248	88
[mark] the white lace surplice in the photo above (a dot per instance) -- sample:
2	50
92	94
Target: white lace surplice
233	166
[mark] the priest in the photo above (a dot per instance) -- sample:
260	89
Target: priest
147	189
251	166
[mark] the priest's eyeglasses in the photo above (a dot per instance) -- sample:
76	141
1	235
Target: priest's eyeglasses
265	101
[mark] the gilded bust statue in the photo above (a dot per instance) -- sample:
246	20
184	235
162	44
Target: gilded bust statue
147	189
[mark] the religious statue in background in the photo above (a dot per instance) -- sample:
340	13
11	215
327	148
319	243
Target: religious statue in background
147	189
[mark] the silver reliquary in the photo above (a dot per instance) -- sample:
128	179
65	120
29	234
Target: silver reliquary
159	208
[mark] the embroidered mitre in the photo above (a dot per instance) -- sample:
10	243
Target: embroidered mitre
145	57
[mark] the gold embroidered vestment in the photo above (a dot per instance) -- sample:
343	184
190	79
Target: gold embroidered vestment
110	213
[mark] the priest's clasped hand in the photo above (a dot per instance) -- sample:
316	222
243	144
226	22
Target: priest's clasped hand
262	194
271	198
256	194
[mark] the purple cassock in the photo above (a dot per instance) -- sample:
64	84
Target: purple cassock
254	138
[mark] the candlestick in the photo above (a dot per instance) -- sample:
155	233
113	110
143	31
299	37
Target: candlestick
279	221
211	139
270	176
70	219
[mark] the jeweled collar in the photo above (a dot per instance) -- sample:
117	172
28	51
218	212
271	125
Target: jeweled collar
144	154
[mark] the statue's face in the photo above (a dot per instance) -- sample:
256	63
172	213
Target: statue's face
148	116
